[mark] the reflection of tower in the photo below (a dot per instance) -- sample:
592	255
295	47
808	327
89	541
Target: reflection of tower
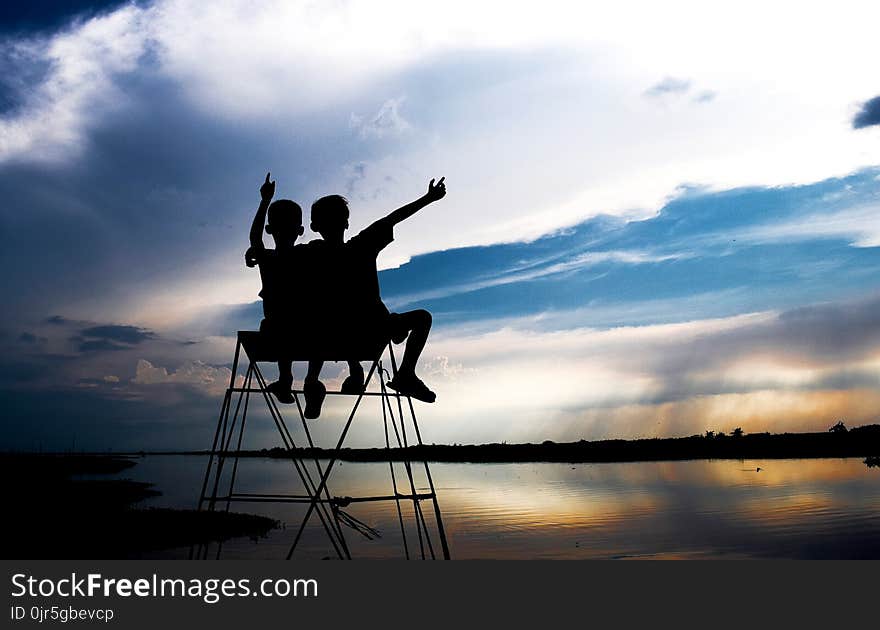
218	487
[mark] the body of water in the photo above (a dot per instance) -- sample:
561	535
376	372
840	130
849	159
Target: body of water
816	508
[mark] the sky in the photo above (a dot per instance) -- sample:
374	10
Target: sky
661	219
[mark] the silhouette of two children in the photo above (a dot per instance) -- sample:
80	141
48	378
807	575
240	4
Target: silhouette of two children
341	288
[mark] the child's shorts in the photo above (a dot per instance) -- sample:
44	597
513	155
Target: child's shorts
281	332
395	327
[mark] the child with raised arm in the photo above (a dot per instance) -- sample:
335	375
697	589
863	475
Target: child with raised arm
352	292
276	271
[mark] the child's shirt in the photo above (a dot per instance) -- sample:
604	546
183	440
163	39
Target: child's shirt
345	279
277	269
361	252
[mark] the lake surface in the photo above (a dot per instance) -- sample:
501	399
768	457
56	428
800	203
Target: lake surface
816	508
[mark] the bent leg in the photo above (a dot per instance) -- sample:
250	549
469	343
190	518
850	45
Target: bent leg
314	390
281	388
405	382
314	370
285	372
354	382
419	325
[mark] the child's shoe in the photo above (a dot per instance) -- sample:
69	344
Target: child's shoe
412	386
314	392
281	391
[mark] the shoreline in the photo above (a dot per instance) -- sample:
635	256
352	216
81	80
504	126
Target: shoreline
861	442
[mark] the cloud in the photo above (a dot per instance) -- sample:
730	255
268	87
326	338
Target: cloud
131	335
796	369
860	225
388	121
669	85
78	87
97	345
208	379
558	267
868	114
328	55
705	254
159	135
793	369
57	356
442	367
198	113
111	337
705	96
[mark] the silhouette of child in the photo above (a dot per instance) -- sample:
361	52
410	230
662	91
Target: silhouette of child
351	296
276	267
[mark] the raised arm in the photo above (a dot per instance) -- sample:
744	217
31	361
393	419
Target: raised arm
252	255
435	193
267	191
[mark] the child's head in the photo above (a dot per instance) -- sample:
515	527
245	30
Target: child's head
284	220
330	217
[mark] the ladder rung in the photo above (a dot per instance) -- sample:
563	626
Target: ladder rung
257	390
294	498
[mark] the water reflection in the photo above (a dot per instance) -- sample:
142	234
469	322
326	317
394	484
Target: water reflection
825	508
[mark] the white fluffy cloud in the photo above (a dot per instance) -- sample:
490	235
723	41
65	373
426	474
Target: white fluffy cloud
209	379
84	64
387	121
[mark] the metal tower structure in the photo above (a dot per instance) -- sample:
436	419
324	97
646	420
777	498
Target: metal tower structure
313	468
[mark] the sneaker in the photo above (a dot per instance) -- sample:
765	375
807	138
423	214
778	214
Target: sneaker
413	387
314	392
281	391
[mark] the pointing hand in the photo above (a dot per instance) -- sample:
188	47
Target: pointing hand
267	190
438	191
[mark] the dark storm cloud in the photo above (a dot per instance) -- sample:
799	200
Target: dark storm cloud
868	115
